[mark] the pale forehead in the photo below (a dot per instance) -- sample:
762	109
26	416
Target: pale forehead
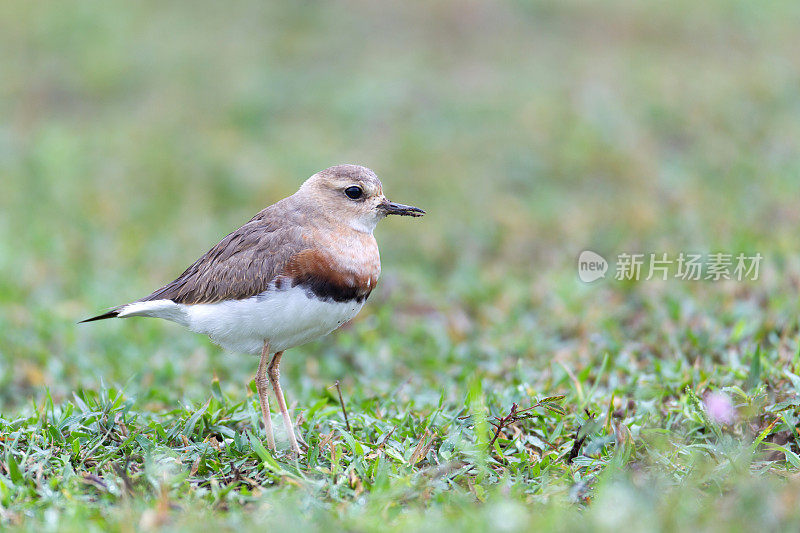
344	175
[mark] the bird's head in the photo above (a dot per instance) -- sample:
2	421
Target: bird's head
352	195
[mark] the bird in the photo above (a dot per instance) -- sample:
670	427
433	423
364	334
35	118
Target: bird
298	270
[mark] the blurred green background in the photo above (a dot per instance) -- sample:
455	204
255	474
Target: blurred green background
135	135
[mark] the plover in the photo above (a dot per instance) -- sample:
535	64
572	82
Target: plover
296	271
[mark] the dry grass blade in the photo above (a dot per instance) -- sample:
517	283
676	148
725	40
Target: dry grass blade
422	448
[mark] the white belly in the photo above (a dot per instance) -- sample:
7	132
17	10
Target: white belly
285	318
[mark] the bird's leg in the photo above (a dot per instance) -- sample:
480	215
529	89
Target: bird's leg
261	386
274	378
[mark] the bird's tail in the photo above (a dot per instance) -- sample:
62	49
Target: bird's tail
166	309
111	314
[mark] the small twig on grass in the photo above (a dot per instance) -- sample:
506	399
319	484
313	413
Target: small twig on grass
503	422
341	401
95	481
551	403
576	447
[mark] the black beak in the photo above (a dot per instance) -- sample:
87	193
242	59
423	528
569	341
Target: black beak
391	208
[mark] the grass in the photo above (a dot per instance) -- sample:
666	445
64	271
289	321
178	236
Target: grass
136	135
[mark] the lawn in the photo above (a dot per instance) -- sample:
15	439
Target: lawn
483	386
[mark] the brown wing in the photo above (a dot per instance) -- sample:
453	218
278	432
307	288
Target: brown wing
243	264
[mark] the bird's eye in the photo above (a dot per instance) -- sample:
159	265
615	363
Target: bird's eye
354	193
